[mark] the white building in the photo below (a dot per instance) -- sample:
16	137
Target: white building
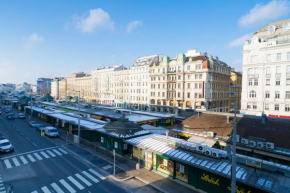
55	87
266	71
190	81
103	84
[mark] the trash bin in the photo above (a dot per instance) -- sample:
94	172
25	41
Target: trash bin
137	166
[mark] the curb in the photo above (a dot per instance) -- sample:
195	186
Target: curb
150	184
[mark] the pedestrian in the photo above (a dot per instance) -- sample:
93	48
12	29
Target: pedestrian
10	189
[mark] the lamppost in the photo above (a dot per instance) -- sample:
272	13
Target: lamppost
79	128
30	108
234	139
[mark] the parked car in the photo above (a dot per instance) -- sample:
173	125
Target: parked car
32	123
11	116
7	111
0	112
51	132
21	116
6	146
39	127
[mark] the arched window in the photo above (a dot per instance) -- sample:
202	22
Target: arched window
252	94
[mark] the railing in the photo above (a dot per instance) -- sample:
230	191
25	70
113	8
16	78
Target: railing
171	71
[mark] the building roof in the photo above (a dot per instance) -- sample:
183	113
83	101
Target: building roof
123	128
262	33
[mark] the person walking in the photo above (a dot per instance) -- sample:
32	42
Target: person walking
10	189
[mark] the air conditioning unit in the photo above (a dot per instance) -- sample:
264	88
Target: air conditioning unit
215	153
200	148
270	145
260	144
253	143
238	138
245	141
192	148
178	144
207	151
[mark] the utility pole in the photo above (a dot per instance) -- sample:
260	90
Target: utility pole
79	127
114	152
30	107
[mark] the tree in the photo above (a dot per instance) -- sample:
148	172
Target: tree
68	98
45	91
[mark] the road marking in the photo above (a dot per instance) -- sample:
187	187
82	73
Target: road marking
7	163
17	129
15	161
34	191
45	189
23	160
67	186
50	153
44	154
34	144
83	180
57	152
97	174
38	156
62	151
22	133
29	152
31	158
2	188
90	176
75	182
57	188
107	167
27	138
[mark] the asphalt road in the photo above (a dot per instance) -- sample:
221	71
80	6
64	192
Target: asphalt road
40	164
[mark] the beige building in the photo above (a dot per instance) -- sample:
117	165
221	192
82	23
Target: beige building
235	86
71	83
84	85
190	81
62	89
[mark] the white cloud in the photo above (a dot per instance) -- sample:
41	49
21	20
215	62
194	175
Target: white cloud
240	41
133	25
264	13
33	40
96	20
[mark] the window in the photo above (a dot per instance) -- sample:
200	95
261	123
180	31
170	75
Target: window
249	105
200	76
268	70
116	145
254	59
178	94
287	69
198	66
276	107
277	95
252	94
188	67
195	85
287	96
256	82
278	69
188	85
256	70
268	57
250	82
267	94
278	58
277	81
266	106
254	105
287	108
179	77
288	81
188	77
250	71
267	82
188	95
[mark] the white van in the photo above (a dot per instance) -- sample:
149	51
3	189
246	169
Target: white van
51	132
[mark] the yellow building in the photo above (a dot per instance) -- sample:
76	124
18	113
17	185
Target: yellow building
62	88
84	85
235	86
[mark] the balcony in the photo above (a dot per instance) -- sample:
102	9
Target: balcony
171	71
173	81
253	75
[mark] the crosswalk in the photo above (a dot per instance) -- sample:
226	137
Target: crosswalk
73	183
32	157
2	187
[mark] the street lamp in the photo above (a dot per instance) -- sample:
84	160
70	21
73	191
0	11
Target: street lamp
30	107
234	139
79	128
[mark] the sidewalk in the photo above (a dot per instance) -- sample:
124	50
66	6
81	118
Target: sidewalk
125	168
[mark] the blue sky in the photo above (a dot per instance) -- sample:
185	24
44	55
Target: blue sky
56	38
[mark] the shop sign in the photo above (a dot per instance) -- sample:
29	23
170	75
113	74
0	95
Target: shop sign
149	157
209	179
239	190
102	139
279	116
253	163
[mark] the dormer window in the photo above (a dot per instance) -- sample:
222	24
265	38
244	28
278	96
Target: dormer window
272	29
286	27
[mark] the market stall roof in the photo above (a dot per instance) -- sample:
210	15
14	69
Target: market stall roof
155	130
140	118
44	111
123	128
263	179
154	114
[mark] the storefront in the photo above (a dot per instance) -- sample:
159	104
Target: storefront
164	165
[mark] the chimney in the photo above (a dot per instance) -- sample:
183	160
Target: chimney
228	119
